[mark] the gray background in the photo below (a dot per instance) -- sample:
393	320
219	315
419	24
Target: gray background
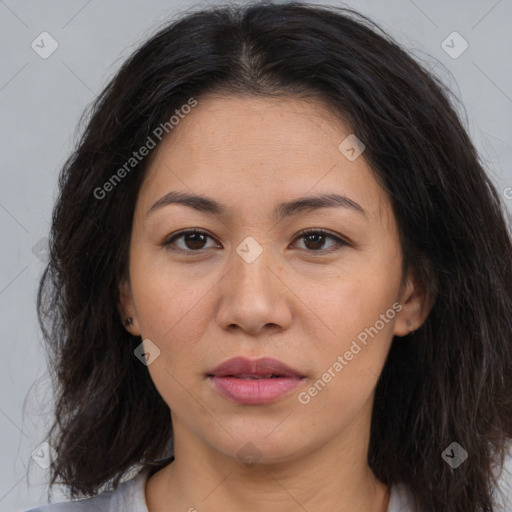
41	101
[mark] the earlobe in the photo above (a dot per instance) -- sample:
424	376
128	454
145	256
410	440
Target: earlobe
416	302
126	309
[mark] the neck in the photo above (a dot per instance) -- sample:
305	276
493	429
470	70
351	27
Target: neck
333	477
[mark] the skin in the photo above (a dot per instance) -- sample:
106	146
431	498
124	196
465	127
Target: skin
295	303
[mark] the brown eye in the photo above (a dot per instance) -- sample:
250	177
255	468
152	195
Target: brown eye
315	239
188	241
194	240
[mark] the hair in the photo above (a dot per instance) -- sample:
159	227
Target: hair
449	381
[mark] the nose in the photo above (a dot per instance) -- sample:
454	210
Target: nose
254	298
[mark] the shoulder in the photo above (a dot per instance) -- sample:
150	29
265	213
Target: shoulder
96	504
128	497
401	499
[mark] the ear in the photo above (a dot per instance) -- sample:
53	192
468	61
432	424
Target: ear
416	301
126	308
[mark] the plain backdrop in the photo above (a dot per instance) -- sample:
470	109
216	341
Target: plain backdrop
42	99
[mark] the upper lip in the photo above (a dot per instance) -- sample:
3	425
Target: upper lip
265	366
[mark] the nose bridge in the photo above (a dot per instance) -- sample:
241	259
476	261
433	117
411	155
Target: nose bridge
251	275
252	296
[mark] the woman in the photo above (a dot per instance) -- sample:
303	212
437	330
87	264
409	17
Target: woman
279	280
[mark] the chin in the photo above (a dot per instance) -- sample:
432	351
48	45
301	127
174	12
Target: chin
261	445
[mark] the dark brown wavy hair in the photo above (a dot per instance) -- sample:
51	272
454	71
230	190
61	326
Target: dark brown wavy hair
450	381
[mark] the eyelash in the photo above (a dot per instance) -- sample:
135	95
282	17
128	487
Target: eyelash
304	233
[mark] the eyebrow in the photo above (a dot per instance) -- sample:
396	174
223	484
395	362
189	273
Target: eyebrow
206	204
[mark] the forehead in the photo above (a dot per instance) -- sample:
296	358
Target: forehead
255	127
238	147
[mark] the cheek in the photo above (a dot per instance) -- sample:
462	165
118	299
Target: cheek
352	319
176	323
348	361
344	305
173	304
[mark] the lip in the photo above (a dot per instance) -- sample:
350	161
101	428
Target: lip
249	382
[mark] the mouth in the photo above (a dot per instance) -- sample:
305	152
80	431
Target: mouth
254	382
252	377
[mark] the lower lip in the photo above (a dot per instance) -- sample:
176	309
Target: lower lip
254	391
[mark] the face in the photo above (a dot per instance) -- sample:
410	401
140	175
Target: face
236	276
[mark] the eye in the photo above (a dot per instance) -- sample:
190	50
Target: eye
314	240
194	240
191	240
